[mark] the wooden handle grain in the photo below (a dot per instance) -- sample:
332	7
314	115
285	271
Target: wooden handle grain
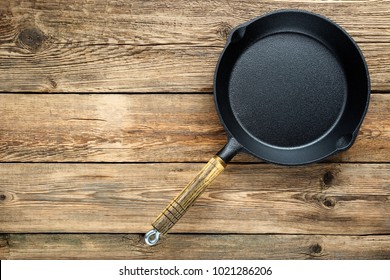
180	204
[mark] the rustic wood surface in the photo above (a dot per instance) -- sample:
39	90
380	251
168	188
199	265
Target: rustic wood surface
245	198
82	176
187	246
152	46
143	128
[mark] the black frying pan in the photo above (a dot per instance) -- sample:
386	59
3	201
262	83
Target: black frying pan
291	88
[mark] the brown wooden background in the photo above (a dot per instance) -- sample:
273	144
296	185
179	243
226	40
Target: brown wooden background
106	112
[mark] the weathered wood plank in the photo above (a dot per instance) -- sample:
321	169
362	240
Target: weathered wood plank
4	247
245	198
177	246
176	22
142	128
152	46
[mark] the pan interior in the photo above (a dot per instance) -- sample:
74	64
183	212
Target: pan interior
287	89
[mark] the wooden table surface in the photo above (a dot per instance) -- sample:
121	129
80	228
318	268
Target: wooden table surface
106	112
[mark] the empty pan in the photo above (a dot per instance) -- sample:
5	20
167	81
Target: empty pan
290	87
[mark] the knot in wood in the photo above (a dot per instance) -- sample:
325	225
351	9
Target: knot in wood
52	83
327	179
329	202
31	39
224	30
316	248
6	197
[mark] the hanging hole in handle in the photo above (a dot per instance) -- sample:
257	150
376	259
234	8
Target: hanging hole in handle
152	237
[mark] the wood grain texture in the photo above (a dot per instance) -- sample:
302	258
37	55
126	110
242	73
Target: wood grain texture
152	46
143	128
88	168
245	198
176	246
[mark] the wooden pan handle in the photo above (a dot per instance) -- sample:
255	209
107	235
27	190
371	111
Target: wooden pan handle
180	204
